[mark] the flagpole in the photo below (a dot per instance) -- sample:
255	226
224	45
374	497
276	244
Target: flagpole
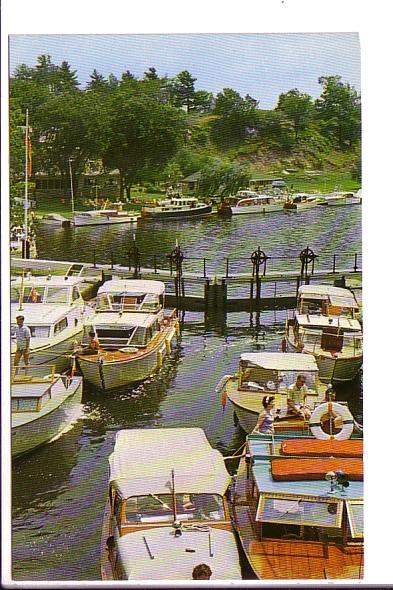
26	179
72	188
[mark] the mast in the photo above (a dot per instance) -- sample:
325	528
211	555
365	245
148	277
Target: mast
173	495
27	170
72	189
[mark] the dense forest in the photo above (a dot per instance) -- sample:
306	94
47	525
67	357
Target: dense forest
162	129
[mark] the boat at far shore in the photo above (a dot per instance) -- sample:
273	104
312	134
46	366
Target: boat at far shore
250	202
43	405
167	509
93	217
337	198
176	207
301	201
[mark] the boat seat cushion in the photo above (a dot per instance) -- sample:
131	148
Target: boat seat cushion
323	448
315	469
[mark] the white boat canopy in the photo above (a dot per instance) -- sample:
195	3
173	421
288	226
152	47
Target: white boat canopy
47	281
125	319
39	315
134	286
281	361
317	321
143	459
336	295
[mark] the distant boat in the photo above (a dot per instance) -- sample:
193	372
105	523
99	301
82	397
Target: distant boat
250	202
92	217
167	509
55	312
298	507
43	404
301	201
176	207
337	198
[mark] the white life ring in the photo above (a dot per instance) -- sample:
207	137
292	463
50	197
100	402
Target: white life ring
332	408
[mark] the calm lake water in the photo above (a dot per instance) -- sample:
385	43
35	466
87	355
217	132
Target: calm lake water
59	491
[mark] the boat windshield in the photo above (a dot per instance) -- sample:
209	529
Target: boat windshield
57	295
158	508
128	302
271	380
30	294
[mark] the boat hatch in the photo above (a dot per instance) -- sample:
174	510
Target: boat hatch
129	335
31	387
159	508
309	511
355	517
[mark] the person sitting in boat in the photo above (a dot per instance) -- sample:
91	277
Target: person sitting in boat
265	420
201	572
93	345
296	396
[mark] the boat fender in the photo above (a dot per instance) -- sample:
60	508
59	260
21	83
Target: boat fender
177	328
334	409
284	345
168	345
223	381
159	358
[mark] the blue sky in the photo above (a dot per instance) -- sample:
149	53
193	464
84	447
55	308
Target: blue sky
263	65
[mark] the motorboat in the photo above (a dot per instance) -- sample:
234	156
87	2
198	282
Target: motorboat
271	374
324	325
298	507
250	202
167	509
176	207
339	198
133	331
102	217
43	405
54	310
302	201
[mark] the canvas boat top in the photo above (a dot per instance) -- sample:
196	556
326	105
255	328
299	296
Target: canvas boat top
132	286
337	296
176	557
39	315
281	361
143	459
320	321
261	452
47	281
123	320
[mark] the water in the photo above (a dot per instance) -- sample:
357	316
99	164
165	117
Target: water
59	491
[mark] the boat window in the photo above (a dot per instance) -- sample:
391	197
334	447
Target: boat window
24	405
113	336
30	294
139	338
60	326
292	510
355	517
75	294
258	378
158	508
40	331
57	295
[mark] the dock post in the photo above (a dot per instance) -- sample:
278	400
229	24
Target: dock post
155	263
94	258
257	258
176	257
334	262
204	268
306	256
356	263
227	268
136	259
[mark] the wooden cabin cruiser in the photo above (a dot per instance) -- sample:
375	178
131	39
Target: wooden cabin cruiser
326	300
301	201
176	207
167	511
131	347
247	202
126	295
55	312
271	373
335	342
298	507
43	404
337	198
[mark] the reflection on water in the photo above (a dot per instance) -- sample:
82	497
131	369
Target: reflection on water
59	491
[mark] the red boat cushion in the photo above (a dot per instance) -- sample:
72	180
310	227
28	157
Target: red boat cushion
323	448
310	469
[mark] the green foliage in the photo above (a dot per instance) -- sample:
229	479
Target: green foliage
183	90
236	117
298	109
222	178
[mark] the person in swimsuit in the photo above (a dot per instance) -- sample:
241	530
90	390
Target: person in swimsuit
265	420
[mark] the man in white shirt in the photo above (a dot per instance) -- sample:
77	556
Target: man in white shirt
22	335
296	397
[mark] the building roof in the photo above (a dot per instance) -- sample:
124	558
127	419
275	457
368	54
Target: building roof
281	361
143	459
132	286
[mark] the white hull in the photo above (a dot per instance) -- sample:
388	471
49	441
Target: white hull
115	374
302	206
79	222
340	202
247	419
44	426
257	209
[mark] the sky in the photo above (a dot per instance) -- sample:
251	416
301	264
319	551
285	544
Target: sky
262	65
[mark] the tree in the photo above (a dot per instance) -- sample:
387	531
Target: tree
97	82
235	118
298	109
144	135
183	90
203	101
222	178
339	111
151	74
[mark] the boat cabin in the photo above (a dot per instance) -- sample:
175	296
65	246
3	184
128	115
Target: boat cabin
32	387
326	300
115	330
131	295
48	290
334	334
272	373
178	203
44	323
